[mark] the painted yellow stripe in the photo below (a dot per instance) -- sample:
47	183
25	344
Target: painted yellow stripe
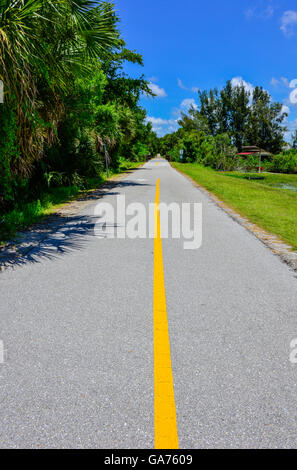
165	414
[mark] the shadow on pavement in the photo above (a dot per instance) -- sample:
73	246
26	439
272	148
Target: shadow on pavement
58	234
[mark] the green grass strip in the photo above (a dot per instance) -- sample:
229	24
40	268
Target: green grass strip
270	203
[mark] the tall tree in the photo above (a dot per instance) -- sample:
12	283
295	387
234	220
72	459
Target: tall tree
294	139
194	120
209	109
239	115
265	122
248	120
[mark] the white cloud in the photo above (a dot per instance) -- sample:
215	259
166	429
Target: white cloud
153	79
188	102
286	109
288	22
250	13
158	91
274	82
285	81
163	126
181	85
282	81
239	81
156	121
265	14
292	127
268	12
194	89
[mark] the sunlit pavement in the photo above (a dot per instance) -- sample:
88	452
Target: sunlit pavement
78	330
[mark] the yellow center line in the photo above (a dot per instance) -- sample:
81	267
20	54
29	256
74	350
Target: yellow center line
165	413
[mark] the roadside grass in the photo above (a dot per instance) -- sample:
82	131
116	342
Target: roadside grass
50	200
268	203
277	180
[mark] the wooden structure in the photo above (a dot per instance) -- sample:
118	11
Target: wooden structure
254	150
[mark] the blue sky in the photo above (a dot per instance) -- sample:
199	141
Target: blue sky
200	44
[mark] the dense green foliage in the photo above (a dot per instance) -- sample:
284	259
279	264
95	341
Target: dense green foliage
48	200
214	151
285	162
66	97
223	123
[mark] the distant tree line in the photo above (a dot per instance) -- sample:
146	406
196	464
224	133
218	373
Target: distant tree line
223	123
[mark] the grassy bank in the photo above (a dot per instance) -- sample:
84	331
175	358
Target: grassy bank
50	200
270	203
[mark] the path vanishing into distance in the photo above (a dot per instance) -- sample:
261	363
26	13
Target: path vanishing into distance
86	331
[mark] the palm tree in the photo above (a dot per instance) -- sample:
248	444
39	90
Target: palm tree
44	46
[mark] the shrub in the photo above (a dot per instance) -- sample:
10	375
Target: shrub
247	163
9	152
140	151
192	146
218	153
284	162
174	154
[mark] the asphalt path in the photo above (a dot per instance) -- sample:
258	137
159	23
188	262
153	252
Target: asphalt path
77	325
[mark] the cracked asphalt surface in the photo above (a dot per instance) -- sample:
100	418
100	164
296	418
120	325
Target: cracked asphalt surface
76	321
